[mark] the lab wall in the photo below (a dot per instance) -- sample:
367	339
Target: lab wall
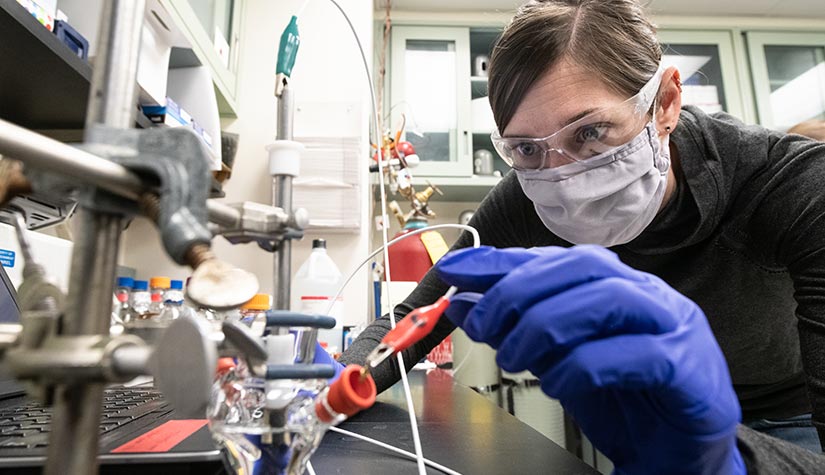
328	69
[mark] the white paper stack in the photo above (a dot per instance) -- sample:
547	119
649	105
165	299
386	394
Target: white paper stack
329	184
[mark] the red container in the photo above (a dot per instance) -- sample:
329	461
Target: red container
409	259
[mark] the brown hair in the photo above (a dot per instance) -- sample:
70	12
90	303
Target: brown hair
613	39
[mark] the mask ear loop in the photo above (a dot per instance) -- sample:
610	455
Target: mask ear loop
662	159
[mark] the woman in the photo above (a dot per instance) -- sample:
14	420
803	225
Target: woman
730	216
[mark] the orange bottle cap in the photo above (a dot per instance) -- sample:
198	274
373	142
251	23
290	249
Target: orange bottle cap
160	282
258	302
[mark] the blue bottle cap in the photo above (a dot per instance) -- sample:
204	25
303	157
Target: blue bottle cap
125	282
176	285
141	285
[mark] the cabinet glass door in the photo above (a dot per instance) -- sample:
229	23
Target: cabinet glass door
215	17
430	90
789	77
708	69
212	29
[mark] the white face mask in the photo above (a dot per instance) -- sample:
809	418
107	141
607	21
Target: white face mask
608	205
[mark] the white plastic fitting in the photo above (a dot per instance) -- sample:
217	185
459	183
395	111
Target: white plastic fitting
285	157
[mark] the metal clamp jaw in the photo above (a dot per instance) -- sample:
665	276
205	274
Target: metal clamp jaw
175	162
267	225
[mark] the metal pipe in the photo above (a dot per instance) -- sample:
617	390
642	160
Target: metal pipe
223	215
282	198
114	90
73	444
49	155
285	113
39	151
89	302
131	360
23	240
282	273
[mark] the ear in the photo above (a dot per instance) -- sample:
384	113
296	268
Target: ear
670	101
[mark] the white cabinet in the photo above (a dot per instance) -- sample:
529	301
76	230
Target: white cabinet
708	68
788	76
429	86
212	28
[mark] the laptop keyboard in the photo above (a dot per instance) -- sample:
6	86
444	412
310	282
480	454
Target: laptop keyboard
28	424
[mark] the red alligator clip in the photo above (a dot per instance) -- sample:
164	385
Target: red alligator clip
411	329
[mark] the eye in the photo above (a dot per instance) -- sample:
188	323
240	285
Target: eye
592	133
527	149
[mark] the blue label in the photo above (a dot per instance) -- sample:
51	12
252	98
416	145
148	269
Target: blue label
7	258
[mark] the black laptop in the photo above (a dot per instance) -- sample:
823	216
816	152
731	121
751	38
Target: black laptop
138	430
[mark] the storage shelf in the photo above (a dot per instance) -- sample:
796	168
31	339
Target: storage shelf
455	189
43	84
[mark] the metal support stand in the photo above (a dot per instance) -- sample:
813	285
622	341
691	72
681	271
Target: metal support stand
63	350
282	198
73	444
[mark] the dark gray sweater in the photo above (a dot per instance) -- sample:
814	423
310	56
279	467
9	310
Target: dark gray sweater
743	236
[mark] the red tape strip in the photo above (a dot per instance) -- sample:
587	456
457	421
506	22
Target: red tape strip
163	437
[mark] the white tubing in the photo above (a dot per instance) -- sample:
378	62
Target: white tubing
394	449
470	229
378	140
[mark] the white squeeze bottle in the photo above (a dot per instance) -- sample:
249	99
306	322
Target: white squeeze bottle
313	288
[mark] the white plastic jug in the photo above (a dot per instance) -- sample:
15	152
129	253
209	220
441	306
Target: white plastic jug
313	288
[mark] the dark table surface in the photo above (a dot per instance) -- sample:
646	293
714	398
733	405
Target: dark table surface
459	429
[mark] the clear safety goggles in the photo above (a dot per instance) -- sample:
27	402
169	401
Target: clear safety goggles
593	136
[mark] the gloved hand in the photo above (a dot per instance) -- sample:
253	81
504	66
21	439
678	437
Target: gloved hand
322	357
632	360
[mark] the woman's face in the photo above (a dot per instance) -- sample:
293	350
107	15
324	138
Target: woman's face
563	95
575	116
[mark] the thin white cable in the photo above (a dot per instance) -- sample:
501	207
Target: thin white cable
450	292
389	447
469	229
378	140
301	9
310	470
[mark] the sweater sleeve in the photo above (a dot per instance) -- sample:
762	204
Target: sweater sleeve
790	215
766	455
501	222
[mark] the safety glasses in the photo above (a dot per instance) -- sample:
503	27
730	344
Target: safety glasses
591	137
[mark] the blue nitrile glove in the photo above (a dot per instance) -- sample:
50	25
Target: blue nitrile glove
322	357
632	360
274	458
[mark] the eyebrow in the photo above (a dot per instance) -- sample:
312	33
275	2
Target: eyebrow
579	116
569	121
